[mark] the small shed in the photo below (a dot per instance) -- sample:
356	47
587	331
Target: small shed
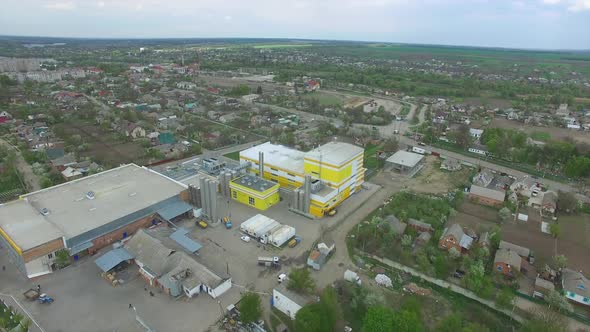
113	258
404	162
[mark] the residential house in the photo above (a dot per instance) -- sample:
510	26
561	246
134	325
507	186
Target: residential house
288	302
527	186
507	262
542	287
423	238
420	226
475	133
521	251
397	227
454	237
61	163
486	196
186	85
549	202
134	130
576	286
484	178
71	173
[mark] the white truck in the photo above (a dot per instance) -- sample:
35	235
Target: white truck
352	277
268	261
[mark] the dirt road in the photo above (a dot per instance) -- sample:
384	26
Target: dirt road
31	180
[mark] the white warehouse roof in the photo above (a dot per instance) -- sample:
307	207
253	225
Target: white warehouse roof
76	207
335	153
405	158
277	155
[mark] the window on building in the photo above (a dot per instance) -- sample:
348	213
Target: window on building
587	300
499	268
581	286
316	173
234	194
571	294
251	201
293	175
50	256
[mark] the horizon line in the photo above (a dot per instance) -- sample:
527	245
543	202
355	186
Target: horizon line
300	39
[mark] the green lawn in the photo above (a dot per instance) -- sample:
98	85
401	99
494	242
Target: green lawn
233	155
324	99
371	161
541	136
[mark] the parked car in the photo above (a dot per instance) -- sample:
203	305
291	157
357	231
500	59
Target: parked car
245	238
282	277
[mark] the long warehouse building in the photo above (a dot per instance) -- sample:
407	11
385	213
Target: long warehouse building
336	170
87	214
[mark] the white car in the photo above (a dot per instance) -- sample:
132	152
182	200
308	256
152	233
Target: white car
245	238
282	277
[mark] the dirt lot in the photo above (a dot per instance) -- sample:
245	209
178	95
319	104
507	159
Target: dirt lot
431	179
106	148
556	133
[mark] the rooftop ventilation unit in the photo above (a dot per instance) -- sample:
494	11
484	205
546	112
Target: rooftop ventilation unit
132	194
45	211
90	195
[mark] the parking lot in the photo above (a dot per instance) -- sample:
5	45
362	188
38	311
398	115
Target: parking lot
84	301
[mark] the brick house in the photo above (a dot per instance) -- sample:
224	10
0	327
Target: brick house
454	237
507	262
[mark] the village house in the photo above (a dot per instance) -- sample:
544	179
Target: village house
134	130
397	227
420	226
527	186
507	262
454	237
5	117
576	286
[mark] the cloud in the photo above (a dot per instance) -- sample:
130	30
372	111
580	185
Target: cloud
60	5
579	5
100	4
572	5
227	18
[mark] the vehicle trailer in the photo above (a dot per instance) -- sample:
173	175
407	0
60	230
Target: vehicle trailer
268	261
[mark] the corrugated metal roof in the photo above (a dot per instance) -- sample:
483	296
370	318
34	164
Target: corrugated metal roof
112	258
174	208
187	243
80	247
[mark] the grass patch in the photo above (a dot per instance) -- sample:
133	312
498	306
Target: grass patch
233	155
324	99
371	161
541	136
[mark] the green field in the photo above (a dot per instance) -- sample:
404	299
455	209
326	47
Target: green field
282	45
324	99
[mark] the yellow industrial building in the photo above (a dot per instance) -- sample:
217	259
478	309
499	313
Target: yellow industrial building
336	170
254	191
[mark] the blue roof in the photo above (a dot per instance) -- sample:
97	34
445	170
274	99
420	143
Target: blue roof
112	258
81	247
186	242
174	208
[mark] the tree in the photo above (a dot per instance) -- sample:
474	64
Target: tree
477	281
451	323
504	213
331	306
406	240
558	302
407	321
391	145
454	253
259	90
505	299
566	201
441	266
62	258
555	230
300	281
250	307
559	261
378	319
462	136
309	318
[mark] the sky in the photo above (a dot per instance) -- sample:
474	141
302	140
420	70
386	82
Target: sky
534	24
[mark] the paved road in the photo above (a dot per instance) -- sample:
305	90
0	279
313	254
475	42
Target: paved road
31	179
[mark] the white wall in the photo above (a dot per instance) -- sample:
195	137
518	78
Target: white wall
38	267
576	297
219	290
284	304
